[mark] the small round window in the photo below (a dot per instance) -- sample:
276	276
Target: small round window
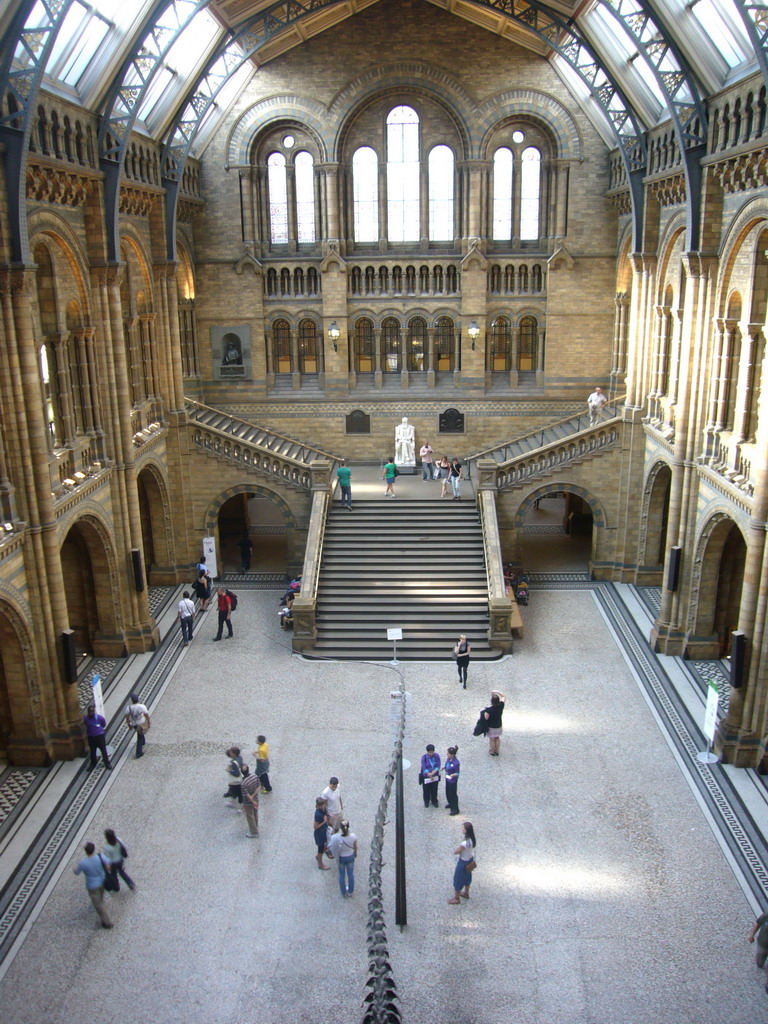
518	136
289	141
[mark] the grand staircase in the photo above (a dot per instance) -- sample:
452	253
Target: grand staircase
418	565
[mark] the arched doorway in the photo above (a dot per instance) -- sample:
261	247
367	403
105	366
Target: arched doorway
89	591
555	531
21	740
155	532
719	596
655	548
263	521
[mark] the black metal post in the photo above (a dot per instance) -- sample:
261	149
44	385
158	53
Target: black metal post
401	903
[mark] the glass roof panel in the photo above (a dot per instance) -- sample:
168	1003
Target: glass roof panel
720	22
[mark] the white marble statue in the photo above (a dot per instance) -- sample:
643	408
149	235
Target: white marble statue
405	443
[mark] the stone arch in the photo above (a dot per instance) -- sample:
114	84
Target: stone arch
653	519
527	104
293	545
286	108
91	582
212	514
713	612
132	251
22	719
155	515
599	517
50	230
398	77
573	518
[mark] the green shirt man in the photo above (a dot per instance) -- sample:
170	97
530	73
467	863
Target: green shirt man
344	474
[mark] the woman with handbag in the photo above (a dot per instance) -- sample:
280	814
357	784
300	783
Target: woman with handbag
114	855
492	714
465	865
461	652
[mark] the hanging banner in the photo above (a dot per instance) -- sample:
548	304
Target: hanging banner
209	550
98	696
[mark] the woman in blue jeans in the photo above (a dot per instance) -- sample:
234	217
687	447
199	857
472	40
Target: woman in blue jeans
343	846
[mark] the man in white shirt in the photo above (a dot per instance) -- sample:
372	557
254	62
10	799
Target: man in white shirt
334	806
137	717
186	617
426	454
595	402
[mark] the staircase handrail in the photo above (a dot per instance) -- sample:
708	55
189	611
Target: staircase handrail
199	413
305	602
499	602
572	448
613	412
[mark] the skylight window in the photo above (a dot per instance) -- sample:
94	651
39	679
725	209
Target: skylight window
716	17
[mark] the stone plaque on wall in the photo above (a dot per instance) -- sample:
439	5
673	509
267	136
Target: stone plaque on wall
451	422
231	352
358	422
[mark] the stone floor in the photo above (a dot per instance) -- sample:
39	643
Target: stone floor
617	877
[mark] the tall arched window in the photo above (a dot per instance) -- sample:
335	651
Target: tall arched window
444	343
530	190
363	354
440	167
529	330
403	175
365	194
281	346
308	346
390	340
305	197
503	162
501	344
278	199
417	344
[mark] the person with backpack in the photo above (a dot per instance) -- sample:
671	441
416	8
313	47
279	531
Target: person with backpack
224	605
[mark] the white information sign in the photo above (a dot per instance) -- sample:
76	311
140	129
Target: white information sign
710	715
395	634
209	550
98	696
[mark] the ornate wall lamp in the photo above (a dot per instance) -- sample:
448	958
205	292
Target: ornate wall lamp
334	334
473	331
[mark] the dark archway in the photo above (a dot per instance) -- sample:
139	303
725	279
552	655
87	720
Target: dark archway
264	522
155	535
556	530
719	593
89	590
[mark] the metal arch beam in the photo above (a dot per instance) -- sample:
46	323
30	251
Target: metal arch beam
232	53
755	18
538	20
23	84
681	93
124	101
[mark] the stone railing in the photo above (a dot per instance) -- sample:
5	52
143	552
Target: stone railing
305	602
500	606
263	451
592	441
392	277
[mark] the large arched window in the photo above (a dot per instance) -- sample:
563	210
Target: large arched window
530	190
440	167
365	194
403	175
390	340
503	163
305	197
417	344
308	354
278	199
363	353
529	330
501	344
444	347
281	346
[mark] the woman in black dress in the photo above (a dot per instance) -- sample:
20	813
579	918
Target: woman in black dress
462	650
492	715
